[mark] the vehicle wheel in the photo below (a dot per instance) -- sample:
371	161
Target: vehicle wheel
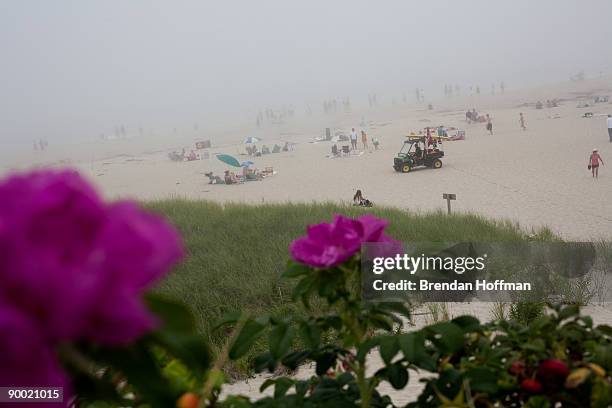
437	164
405	168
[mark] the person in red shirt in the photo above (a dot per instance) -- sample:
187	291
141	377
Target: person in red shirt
594	160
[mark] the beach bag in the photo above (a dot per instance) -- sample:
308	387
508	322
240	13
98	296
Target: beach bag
589	167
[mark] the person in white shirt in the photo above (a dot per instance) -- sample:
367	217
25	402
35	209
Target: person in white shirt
353	138
610	127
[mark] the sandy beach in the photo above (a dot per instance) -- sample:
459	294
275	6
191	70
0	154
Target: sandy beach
536	177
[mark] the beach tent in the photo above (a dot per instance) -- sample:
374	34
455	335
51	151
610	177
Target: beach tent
251	139
227	159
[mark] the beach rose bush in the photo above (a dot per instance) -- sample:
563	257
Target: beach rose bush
73	274
557	359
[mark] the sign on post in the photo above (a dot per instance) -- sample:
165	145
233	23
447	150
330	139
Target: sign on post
448	197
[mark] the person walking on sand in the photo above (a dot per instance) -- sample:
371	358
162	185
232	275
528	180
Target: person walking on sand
364	139
522	121
353	139
610	127
594	160
489	124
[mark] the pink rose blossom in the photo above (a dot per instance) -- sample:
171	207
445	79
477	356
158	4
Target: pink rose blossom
329	244
73	267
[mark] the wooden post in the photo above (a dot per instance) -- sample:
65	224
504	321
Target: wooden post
448	197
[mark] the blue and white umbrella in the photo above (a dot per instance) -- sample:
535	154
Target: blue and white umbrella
251	139
247	163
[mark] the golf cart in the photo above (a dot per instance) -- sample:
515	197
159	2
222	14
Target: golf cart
416	152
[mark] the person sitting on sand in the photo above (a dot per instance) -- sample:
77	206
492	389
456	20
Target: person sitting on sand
212	179
192	156
230	177
265	149
335	151
286	147
276	148
594	160
360	200
227	177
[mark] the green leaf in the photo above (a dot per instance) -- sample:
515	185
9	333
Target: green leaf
381	322
178	374
447	336
295	269
467	323
293	360
282	386
538	401
396	374
228	318
569	311
280	339
177	334
602	355
192	350
311	334
175	317
482	379
364	348
605	329
138	365
267	384
250	333
413	347
264	361
537	345
388	348
303	288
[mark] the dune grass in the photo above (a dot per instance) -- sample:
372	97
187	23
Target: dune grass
236	252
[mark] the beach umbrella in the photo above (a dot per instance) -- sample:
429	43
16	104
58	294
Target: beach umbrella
247	163
251	139
227	159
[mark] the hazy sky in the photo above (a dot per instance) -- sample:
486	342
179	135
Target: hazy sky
78	68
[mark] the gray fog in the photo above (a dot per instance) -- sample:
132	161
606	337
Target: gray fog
71	70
